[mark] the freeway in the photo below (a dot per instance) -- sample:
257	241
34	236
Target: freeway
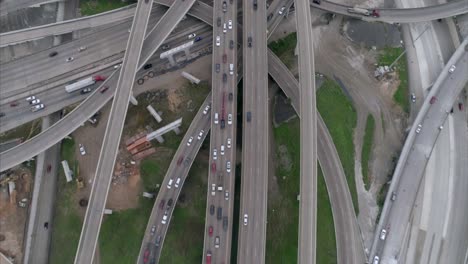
13	5
105	167
153	241
390	15
415	154
217	244
255	142
308	138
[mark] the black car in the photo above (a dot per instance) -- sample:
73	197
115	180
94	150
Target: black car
218	67
224	77
166	47
231	96
219	214
53	53
249	116
218	22
158	241
223	124
2	114
249	40
169	203
225	223
255	4
270	16
212	209
316	2
148	66
85	90
231	44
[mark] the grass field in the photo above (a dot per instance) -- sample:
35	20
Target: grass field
340	117
366	149
387	56
92	7
283	206
284	49
67	223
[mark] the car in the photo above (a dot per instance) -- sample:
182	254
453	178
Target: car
228	166
218	21
2	114
375	13
220	188
85	90
82	48
36	108
224	58
166	47
217	242
281	11
208	257
441	127
433	99
231	69
13	104
460	106
30	98
218	67
393	198
35	101
213	189
249	40
146	255
231	96
189	141
169	183
191	36
197	39
215	154
316	2
222	150
230	119
418	129
82	149
413	98
246	219
117	66
207	109
452	69
187	161
383	234
270	16
216	119
210	230
161	204
219	213
157	241
212	209
200	135
177	182
231	44
53	54
179	161
255	5
228	143
376	260
224	6
223	124
169	203
49	168
230	24
226	195
164	219
218	41
69	59
148	66
224	77
225	223
104	89
153	229
224	28
213	167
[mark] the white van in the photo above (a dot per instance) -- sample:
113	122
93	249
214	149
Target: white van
216	119
177	183
169	184
231	69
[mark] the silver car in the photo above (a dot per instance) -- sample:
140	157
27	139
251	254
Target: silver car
37	107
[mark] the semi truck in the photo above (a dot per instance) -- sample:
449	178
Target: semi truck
84	83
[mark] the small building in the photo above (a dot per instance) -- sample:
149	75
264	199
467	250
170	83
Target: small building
67	171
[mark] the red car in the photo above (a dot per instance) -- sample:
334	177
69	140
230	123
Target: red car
161	204
208	257
146	256
433	99
224	58
13	104
460	106
210	231
49	167
375	13
213	167
179	161
104	89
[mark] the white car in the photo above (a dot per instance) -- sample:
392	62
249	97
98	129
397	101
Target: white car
164	220
37	107
200	135
82	48
216	119
383	234
207	108
222	150
215	154
224	28
376	260
418	129
228	166
246	219
230	24
117	66
82	149
230	119
153	229
281	11
213	189
35	101
30	98
189	141
452	68
69	59
226	195
218	41
229	143
191	36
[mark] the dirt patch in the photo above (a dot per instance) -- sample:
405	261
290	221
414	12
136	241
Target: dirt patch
284	158
175	99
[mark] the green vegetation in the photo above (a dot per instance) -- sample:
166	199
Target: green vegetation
283	206
284	49
388	56
67	223
24	132
186	230
366	149
92	7
326	248
340	118
152	173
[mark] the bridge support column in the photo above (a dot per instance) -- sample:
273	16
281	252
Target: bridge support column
176	130
160	139
133	100
171	60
